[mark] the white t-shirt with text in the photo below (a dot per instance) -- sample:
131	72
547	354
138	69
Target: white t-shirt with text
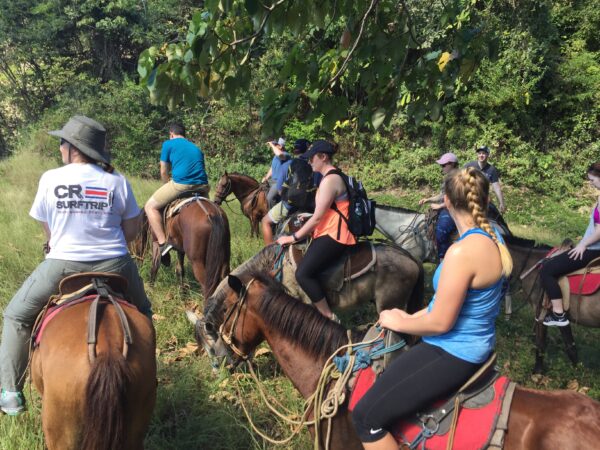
84	206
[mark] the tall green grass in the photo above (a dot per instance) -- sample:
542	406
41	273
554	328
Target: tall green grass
197	408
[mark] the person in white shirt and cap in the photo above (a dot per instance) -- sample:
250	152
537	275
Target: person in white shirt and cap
275	172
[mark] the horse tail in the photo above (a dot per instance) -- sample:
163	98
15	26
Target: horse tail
218	253
105	400
415	302
140	244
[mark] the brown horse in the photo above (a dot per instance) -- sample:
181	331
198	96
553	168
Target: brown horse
584	309
301	340
199	230
106	404
251	194
394	281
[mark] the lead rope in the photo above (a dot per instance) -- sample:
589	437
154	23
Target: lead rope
325	404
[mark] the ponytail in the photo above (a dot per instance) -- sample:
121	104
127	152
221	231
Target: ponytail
468	189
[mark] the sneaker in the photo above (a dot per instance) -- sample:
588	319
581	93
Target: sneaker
165	257
12	403
553	319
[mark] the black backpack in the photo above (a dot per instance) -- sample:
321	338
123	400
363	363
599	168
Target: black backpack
361	211
298	188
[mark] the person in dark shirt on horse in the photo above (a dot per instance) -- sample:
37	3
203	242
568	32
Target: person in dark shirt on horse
280	156
185	162
493	176
444	227
579	257
330	233
458	326
283	209
89	213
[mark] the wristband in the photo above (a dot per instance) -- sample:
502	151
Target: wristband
294	236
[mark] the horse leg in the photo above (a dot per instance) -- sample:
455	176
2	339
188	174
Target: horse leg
155	261
199	270
541	333
569	341
507	306
180	270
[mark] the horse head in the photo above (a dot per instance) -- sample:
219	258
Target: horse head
223	188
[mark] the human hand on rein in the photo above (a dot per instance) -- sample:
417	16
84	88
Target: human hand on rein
389	318
285	240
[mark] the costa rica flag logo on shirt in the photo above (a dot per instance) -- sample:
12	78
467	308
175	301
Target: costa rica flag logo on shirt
95	192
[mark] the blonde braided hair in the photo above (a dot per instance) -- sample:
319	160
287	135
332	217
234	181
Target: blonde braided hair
468	189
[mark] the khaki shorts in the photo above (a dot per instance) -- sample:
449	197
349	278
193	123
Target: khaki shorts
278	213
171	190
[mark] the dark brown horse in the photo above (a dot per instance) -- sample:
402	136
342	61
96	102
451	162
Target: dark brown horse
301	340
104	405
200	231
395	280
251	194
584	310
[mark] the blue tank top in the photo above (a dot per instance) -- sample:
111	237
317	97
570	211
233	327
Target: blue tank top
473	336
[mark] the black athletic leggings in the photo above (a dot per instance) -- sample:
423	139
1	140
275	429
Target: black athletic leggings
321	253
561	265
413	381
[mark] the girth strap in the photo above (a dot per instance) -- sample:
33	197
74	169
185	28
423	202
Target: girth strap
103	294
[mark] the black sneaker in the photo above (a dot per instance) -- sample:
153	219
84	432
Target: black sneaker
553	319
165	257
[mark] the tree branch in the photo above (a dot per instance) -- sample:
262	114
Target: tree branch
342	69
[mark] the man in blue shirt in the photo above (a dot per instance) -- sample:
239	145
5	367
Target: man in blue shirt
185	162
275	172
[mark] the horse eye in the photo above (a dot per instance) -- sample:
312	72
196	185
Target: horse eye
209	327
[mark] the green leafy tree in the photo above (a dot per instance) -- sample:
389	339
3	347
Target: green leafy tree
345	59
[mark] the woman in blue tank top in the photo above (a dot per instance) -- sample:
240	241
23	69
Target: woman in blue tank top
458	325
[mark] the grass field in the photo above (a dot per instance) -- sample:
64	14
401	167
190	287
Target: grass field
198	409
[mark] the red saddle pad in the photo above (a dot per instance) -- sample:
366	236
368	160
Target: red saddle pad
591	283
474	428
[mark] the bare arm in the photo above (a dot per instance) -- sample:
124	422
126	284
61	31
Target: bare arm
165	169
498	192
455	278
268	175
328	191
131	227
433	199
46	230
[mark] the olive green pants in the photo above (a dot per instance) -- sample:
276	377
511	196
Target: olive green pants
30	299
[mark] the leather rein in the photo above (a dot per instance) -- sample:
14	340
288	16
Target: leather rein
235	311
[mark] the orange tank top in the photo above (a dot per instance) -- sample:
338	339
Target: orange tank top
334	226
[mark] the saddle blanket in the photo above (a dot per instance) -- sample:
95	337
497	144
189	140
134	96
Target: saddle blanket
475	426
584	284
53	311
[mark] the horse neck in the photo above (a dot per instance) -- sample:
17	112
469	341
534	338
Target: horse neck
302	369
242	186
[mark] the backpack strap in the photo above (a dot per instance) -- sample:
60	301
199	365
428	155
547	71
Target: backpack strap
333	206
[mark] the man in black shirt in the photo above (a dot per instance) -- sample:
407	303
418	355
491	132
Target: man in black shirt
483	154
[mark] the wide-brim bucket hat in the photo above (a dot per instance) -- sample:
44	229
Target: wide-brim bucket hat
87	135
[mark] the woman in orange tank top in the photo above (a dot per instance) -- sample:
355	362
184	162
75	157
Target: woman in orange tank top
329	230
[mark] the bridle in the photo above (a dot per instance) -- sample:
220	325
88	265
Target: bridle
221	195
235	311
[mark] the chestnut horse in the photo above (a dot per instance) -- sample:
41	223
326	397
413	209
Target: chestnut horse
104	405
301	340
199	230
584	309
251	194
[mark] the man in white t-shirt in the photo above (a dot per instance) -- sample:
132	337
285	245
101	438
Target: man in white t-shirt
89	213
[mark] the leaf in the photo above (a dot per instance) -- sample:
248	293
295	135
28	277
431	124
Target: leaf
261	351
378	117
445	58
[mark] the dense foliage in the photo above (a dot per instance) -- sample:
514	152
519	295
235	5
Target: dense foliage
533	98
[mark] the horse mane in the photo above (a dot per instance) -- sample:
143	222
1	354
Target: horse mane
511	239
237	174
300	323
214	307
396	208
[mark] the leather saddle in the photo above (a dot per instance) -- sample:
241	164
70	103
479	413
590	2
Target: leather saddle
357	260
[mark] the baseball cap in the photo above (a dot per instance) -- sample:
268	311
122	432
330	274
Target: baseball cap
483	148
300	146
320	146
447	158
280	141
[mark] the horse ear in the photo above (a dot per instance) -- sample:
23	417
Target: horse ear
235	283
225	173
